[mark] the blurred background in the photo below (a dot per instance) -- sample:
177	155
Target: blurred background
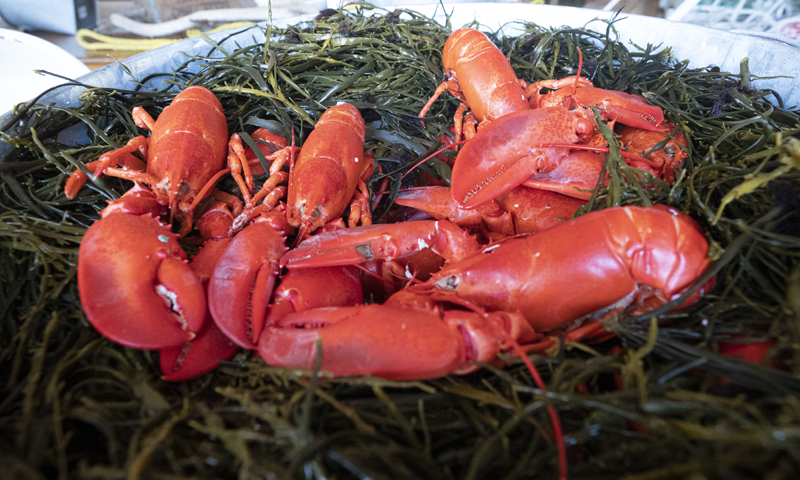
73	37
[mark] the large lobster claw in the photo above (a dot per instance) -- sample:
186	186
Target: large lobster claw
392	342
508	151
204	352
241	286
520	210
135	285
625	108
385	242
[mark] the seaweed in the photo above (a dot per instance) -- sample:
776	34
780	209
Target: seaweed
657	401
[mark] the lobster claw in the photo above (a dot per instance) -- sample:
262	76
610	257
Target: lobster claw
241	286
520	210
438	203
508	151
198	356
622	107
135	285
203	353
576	176
625	108
353	246
391	342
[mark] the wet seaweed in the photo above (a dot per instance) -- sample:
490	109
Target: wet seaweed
658	401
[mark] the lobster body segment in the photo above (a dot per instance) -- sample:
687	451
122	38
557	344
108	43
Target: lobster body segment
188	144
328	170
484	75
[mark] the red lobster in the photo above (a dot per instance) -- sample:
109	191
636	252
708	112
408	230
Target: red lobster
583	268
322	182
481	77
185	154
333	153
135	285
535	142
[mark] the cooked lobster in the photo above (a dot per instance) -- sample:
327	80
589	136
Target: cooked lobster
584	268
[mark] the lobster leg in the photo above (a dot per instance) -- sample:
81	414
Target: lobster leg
142	119
244	163
451	86
356	245
121	156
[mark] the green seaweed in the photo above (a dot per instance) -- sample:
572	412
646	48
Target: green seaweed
658	401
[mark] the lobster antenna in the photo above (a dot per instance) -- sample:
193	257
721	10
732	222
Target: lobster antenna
578	75
437	152
291	155
558	433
